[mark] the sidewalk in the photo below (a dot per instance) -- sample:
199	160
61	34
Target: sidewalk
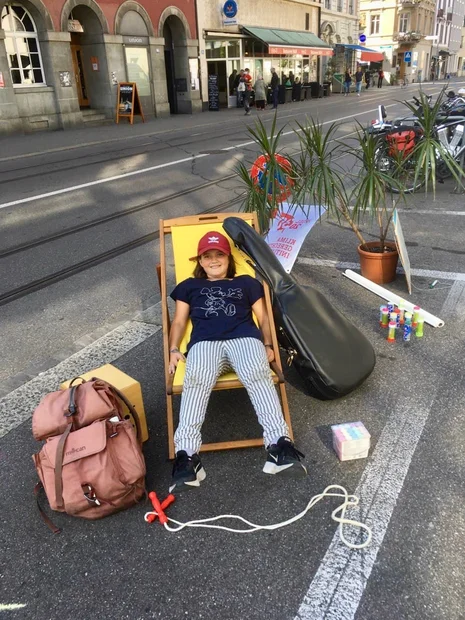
51	141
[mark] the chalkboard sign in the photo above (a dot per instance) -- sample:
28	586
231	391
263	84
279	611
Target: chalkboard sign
128	103
213	93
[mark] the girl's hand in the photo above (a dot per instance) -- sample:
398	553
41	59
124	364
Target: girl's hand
175	358
269	354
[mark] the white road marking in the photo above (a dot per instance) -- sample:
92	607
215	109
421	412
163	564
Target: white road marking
454	305
11	606
339	583
73	188
422	273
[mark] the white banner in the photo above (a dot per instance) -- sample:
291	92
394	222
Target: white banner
289	229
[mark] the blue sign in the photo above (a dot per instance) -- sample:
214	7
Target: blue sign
407	56
362	38
230	8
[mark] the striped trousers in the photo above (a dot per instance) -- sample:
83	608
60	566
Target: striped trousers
208	360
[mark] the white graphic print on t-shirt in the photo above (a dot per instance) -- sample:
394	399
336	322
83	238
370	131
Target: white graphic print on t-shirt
216	300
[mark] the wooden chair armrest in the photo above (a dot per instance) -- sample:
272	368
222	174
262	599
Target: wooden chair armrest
169	385
275	368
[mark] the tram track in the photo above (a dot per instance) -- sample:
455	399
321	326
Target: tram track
58	276
108	218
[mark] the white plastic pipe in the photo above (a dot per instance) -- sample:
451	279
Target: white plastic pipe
389	296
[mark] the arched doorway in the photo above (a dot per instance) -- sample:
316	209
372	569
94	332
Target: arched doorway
176	62
87	24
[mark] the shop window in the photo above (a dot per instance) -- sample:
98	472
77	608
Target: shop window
22	46
215	49
234	49
374	24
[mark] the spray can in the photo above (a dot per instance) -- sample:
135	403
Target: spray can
390	306
416	312
402	311
392	332
397	313
407	332
408	318
420	325
384	317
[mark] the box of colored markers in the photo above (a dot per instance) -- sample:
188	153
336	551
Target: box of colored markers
351	441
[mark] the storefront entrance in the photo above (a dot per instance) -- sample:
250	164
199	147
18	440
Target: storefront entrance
78	65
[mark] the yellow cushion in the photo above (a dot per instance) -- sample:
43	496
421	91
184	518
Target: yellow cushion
185	240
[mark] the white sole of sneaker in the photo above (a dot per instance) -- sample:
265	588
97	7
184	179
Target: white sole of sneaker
293	469
186	485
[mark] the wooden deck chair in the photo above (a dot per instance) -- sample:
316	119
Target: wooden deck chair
185	233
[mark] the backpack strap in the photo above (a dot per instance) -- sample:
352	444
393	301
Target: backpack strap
59	467
48	522
131	408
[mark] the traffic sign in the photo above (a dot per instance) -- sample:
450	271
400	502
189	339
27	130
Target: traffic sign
362	38
407	56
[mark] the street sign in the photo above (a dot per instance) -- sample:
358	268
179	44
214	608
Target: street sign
362	38
407	56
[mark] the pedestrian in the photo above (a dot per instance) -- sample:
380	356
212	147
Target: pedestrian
232	80
291	78
358	81
248	90
224	336
347	82
240	88
380	78
274	87
367	79
260	92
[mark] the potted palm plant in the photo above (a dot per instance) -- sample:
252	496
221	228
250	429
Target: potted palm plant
317	174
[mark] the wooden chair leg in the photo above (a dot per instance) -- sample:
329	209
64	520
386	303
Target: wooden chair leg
170	423
285	405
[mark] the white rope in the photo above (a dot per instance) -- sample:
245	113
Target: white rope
333	490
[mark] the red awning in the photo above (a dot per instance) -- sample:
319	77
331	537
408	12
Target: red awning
372	56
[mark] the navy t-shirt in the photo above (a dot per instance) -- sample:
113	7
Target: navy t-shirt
220	309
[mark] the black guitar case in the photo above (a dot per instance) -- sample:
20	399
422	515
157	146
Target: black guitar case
331	355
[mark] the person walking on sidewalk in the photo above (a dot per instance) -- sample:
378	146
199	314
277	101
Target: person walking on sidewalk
347	82
224	336
358	81
260	93
248	90
380	78
274	87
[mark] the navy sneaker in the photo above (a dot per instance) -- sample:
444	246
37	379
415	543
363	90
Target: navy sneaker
187	472
283	457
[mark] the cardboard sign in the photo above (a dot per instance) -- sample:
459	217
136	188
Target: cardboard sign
128	103
289	229
402	249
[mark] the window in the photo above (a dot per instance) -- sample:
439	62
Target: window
403	22
374	24
351	7
328	4
339	6
307	21
22	46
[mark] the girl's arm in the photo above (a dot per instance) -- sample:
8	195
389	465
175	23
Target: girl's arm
178	327
259	309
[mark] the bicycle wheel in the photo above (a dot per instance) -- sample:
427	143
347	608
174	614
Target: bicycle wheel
402	173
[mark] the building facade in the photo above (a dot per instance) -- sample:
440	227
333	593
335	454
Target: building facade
339	26
258	36
448	35
61	60
461	54
398	28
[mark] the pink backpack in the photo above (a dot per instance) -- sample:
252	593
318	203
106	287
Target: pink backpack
92	464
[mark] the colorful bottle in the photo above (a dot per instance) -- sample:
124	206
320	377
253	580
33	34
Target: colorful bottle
384	321
416	312
402	311
408	318
393	317
420	326
392	332
397	313
407	332
390	306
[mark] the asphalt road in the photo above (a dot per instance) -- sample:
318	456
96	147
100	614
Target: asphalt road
410	487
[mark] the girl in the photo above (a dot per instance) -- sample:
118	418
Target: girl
224	335
347	82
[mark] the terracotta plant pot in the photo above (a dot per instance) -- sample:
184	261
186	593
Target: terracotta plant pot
376	266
